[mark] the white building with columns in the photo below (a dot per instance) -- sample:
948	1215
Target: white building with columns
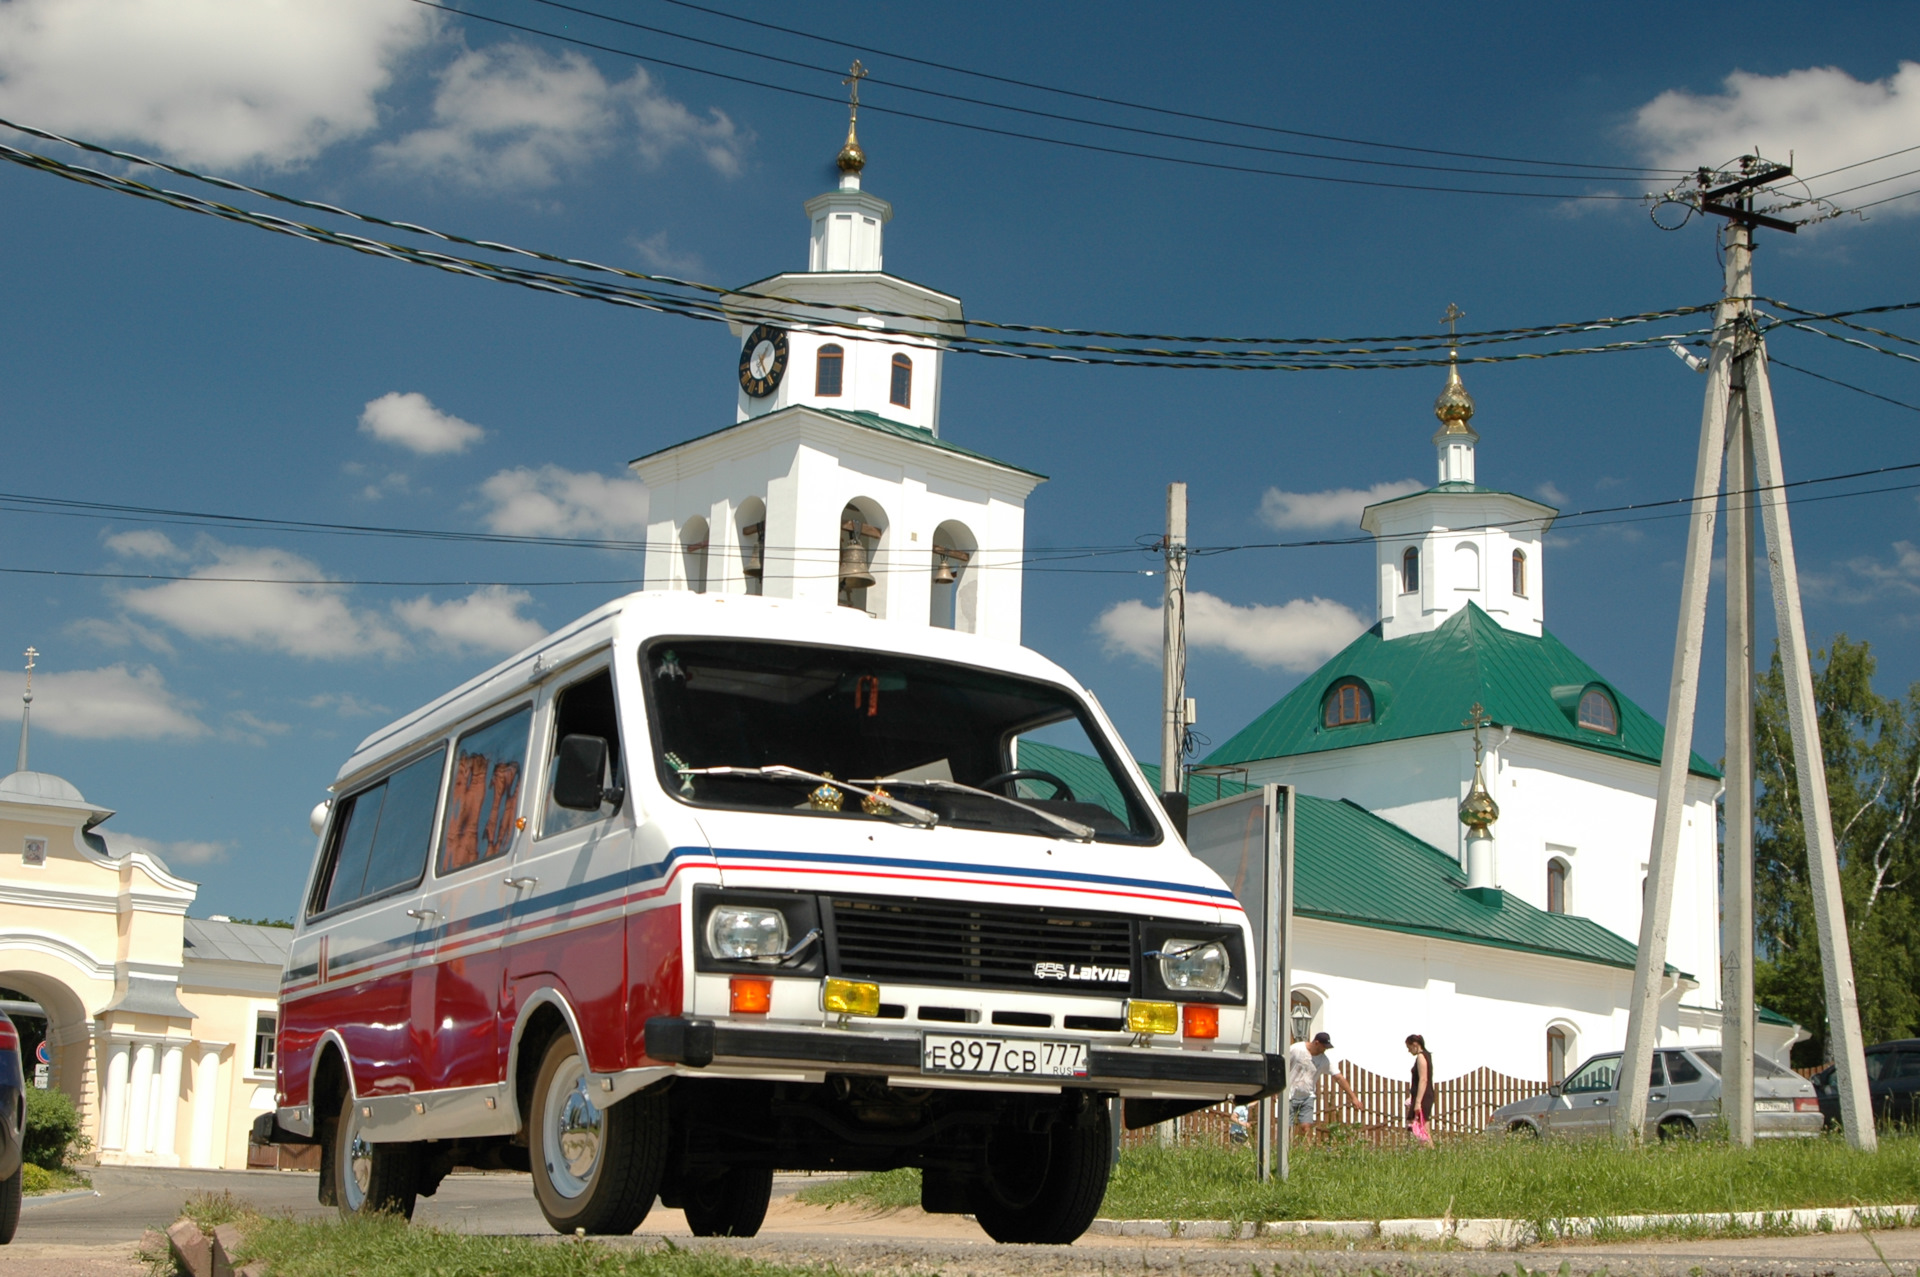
835	483
154	1023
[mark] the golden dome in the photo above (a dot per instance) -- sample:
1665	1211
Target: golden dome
1454	407
1477	809
851	158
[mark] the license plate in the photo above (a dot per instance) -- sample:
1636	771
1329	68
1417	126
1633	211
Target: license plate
965	1055
1773	1106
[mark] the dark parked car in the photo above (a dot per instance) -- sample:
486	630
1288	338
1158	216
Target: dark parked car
1684	1097
13	1121
1893	1082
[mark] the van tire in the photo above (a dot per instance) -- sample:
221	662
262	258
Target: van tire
1055	1210
604	1179
734	1205
369	1178
10	1193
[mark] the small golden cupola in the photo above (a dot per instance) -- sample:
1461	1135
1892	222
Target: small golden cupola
1456	437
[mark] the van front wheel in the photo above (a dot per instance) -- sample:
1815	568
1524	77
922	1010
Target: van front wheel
732	1205
595	1169
369	1178
1045	1189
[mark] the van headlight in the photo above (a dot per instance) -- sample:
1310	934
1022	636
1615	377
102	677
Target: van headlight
737	933
1195	966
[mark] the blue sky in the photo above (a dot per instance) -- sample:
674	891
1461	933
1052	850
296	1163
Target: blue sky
158	359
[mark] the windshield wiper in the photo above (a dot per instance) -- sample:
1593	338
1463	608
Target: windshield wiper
780	771
1082	833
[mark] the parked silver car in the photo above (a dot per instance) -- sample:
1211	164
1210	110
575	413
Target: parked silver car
1684	1098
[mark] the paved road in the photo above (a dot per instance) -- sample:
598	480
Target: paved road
93	1237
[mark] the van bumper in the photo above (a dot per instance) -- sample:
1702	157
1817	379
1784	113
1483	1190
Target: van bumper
697	1043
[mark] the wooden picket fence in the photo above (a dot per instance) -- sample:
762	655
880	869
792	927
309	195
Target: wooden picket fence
1463	1107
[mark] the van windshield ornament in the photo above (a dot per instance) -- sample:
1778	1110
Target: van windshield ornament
826	797
669	666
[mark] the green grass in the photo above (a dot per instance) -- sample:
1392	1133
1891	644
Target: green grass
392	1248
1499	1179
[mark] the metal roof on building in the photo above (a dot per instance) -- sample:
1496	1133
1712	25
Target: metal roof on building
862	418
211	941
1423	685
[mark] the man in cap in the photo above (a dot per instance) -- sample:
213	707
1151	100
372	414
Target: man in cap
1307	1062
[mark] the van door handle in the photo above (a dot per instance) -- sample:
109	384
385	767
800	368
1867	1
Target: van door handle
421	915
1656	1096
519	883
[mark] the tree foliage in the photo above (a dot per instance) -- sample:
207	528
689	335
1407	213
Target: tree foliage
1871	745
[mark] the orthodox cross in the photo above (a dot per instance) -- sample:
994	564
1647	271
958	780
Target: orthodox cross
1476	719
1451	319
855	74
31	653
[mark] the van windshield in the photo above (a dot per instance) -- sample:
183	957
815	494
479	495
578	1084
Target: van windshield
921	730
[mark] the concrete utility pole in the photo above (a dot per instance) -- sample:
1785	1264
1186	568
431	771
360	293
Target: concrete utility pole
1173	614
1739	417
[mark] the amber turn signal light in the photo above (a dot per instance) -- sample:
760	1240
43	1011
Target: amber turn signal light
749	995
1197	1021
850	997
1153	1017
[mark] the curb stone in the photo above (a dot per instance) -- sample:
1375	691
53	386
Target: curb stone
1510	1234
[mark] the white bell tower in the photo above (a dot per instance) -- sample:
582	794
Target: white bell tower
1457	543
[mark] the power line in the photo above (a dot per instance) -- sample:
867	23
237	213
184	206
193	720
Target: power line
1137	106
1185	161
1888	200
1774	362
739	308
1063	118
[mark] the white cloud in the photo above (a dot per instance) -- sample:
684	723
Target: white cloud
555	502
313	621
121	631
510	115
220	82
345	704
1550	493
411	421
662	256
1296	636
1821	116
172	854
488	620
112	703
143	543
1333	508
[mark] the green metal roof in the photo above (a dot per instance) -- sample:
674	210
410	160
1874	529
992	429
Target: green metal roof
866	420
1423	685
1460	488
1356	868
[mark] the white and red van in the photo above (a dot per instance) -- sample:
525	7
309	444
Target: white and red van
702	886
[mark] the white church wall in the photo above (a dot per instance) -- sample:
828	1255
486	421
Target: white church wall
1593	811
1477	1007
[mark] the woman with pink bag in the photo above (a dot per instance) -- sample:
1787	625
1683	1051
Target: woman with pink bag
1421	1092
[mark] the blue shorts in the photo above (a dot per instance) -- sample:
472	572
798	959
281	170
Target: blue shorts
1300	1109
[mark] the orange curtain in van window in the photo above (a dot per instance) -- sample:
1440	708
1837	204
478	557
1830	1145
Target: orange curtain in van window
463	812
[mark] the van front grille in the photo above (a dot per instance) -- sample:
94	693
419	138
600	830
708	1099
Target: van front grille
943	942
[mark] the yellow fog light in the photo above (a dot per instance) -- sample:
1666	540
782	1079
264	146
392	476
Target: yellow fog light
1153	1017
851	997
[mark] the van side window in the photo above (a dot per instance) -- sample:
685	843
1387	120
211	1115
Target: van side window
585	709
483	802
382	833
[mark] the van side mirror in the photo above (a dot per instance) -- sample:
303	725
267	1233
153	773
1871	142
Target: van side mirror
1176	808
580	765
1554	1090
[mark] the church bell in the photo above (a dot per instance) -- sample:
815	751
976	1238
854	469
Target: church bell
755	564
855	574
943	575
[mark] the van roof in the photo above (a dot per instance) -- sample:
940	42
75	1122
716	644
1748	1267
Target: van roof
640	617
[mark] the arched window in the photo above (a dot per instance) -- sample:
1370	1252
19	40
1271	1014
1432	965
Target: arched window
1410	572
1556	1056
1556	886
954	599
1597	713
826	371
862	583
902	381
1346	703
1520	574
1466	566
693	547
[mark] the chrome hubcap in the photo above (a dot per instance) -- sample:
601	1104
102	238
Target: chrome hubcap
572	1132
359	1157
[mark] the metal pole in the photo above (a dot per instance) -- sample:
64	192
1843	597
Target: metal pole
1174	621
1670	799
1823	862
1736	880
1280	928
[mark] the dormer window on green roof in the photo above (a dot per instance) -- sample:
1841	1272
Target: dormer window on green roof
1347	703
1596	712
